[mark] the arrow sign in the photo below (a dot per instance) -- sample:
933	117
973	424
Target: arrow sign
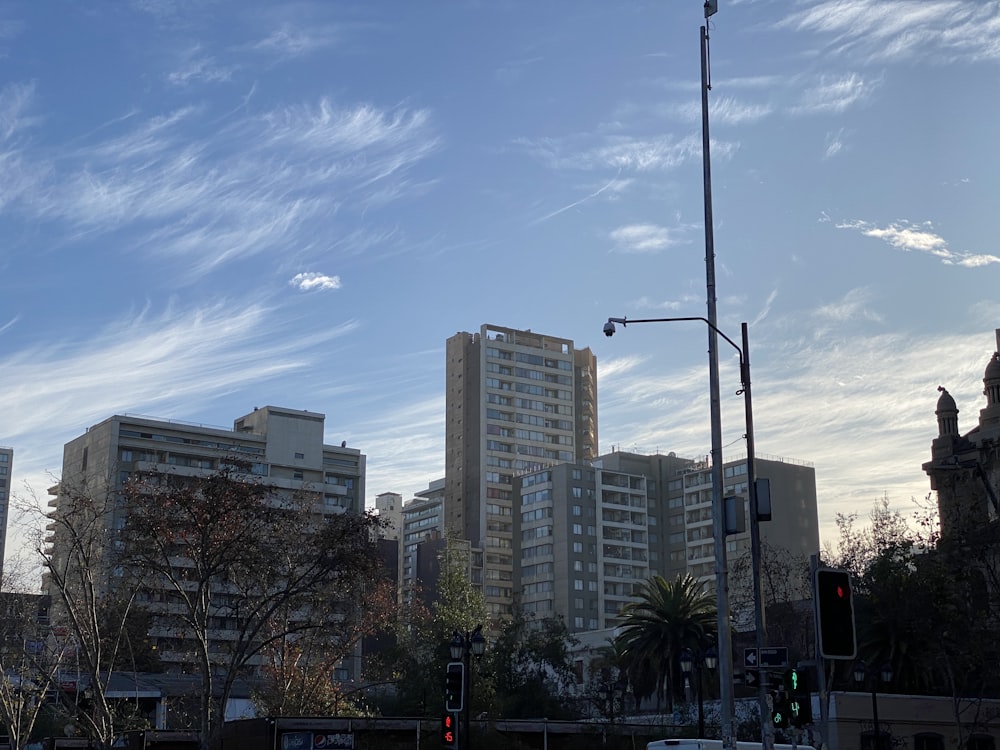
751	678
772	656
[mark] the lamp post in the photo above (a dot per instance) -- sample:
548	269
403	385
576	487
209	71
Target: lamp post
884	675
689	660
721	564
611	691
462	648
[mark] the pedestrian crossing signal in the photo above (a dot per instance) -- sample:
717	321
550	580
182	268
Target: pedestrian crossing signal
448	730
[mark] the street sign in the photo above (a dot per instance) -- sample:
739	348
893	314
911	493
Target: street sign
751	678
770	657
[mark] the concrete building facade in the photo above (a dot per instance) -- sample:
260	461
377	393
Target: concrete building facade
6	469
516	401
283	448
587	534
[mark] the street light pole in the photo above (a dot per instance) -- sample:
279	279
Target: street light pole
463	647
718	517
885	674
718	501
709	659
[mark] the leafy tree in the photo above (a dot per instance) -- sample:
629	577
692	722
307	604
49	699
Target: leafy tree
668	617
532	668
243	568
423	630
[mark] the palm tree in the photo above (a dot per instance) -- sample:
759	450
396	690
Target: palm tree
668	617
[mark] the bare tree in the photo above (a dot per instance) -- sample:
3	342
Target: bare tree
30	659
240	567
92	595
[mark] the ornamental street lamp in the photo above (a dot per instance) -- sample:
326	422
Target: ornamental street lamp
708	660
461	648
861	672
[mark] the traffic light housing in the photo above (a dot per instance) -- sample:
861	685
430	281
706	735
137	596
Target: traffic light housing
454	686
448	731
779	710
835	614
799	703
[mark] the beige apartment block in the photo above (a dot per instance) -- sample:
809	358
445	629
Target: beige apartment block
516	401
282	448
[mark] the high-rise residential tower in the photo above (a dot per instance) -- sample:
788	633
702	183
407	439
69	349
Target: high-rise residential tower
6	465
516	401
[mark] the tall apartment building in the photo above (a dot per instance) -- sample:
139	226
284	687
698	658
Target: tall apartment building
6	466
516	401
587	534
390	511
283	448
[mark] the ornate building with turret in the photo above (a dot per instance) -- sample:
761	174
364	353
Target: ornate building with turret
965	469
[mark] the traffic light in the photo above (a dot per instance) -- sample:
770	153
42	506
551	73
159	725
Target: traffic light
448	734
454	686
799	705
835	614
779	710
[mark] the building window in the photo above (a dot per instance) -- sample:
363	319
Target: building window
578	547
577	528
975	742
885	741
577	510
576	474
578	586
300	455
928	741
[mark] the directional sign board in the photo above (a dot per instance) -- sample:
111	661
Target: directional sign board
751	678
772	656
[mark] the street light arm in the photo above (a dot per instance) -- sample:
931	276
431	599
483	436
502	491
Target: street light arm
625	321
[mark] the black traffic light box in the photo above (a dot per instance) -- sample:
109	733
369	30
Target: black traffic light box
835	614
799	702
454	686
448	731
779	710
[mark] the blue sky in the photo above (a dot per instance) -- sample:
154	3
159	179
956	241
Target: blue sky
211	205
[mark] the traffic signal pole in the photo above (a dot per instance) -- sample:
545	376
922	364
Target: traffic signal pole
821	686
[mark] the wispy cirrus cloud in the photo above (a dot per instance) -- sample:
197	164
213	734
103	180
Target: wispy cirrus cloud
196	66
289	41
895	30
725	110
854	305
312	281
625	153
179	186
911	237
645	238
834	94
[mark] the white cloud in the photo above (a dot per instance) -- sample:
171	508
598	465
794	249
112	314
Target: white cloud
624	153
920	238
893	30
643	238
854	305
196	66
312	281
213	195
834	94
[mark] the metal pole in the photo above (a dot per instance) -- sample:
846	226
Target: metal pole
701	708
467	699
718	509
877	743
760	620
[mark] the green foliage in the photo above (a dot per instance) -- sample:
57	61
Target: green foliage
668	617
531	668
